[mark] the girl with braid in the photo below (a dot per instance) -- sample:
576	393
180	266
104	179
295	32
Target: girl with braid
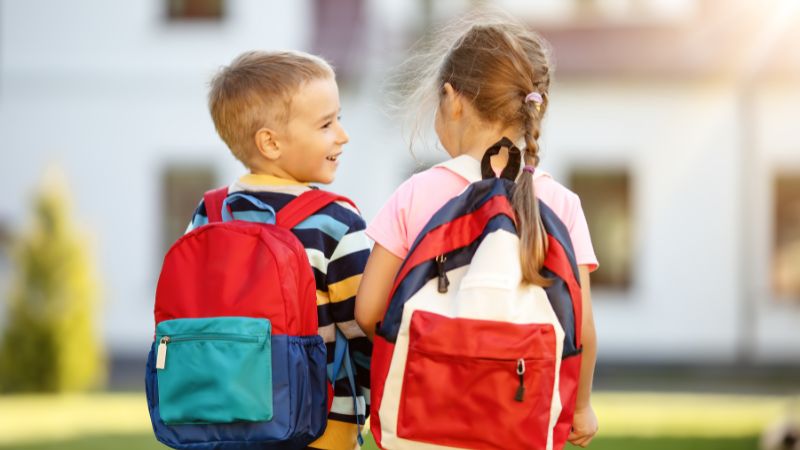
491	82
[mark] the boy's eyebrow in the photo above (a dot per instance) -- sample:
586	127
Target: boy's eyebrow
330	116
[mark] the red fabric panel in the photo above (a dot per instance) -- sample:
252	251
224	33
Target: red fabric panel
382	352
213	201
461	380
239	269
568	389
456	234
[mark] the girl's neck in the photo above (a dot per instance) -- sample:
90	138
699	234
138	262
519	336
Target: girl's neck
476	140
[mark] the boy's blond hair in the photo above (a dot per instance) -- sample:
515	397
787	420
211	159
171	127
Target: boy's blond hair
255	91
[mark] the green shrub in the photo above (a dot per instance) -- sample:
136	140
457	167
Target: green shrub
49	343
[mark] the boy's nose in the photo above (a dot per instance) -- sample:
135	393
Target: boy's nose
343	137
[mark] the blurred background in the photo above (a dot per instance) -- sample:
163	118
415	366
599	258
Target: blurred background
676	121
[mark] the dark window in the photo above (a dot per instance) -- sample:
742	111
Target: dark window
605	197
182	188
786	244
195	10
338	35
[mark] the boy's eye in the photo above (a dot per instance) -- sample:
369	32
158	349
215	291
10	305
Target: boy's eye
328	124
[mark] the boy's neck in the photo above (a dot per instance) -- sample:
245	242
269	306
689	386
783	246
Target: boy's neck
271	170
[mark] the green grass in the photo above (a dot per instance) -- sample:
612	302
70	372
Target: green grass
147	442
627	421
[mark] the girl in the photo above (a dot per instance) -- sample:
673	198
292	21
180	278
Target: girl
493	82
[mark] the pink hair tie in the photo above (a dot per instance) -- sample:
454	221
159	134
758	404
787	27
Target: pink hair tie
534	97
529	169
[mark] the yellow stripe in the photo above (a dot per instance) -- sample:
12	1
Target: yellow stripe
344	289
261	179
322	298
338	436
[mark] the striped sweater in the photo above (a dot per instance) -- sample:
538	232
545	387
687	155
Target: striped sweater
337	249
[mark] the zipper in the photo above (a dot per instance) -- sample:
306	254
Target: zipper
443	281
521	374
161	355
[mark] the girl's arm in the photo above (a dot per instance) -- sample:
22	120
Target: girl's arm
584	424
373	292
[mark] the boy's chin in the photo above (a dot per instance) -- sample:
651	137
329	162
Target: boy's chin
326	179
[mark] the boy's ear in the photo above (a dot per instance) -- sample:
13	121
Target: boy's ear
453	101
267	144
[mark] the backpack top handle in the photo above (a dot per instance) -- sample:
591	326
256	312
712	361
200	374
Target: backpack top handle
511	170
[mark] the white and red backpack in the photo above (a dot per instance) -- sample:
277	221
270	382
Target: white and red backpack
468	356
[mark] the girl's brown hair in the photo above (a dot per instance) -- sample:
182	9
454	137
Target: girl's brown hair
495	64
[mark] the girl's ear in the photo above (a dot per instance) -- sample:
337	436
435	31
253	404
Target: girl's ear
452	102
267	144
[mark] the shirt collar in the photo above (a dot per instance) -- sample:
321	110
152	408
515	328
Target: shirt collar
260	179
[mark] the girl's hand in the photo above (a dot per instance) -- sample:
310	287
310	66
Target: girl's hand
584	427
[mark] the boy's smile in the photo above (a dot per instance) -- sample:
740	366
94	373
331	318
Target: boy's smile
310	144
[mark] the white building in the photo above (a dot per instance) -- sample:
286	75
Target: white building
676	122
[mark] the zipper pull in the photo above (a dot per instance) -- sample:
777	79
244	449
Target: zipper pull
161	356
443	281
521	373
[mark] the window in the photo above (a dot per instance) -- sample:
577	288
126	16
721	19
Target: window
338	34
605	197
195	10
786	243
182	187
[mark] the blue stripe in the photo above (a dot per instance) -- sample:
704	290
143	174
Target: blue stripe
326	224
561	301
347	266
255	216
556	228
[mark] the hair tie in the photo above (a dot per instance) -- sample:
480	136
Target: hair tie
534	97
528	168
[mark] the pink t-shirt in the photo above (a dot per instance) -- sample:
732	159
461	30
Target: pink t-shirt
409	209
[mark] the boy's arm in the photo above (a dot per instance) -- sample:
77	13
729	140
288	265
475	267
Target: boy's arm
345	268
199	217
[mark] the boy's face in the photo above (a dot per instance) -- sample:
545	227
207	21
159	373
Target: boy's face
311	142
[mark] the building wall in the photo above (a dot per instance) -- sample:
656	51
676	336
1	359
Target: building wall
115	94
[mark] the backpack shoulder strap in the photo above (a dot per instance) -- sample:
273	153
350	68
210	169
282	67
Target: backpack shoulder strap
305	205
214	200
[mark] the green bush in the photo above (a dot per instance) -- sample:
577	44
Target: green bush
49	342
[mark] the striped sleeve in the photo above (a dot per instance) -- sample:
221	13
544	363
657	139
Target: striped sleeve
340	262
199	217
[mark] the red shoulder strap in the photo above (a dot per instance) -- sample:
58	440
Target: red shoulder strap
213	200
305	205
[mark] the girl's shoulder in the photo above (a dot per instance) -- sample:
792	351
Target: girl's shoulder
558	197
430	185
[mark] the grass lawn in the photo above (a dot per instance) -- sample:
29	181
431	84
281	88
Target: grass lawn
627	421
147	442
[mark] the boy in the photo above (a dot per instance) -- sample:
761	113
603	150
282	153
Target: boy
278	114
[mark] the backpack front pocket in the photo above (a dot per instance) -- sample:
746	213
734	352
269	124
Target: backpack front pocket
468	381
214	370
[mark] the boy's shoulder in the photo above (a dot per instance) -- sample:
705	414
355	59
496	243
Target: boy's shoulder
278	196
344	211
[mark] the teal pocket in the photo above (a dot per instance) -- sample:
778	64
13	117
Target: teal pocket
215	370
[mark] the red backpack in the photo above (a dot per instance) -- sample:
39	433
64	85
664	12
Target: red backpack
237	361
